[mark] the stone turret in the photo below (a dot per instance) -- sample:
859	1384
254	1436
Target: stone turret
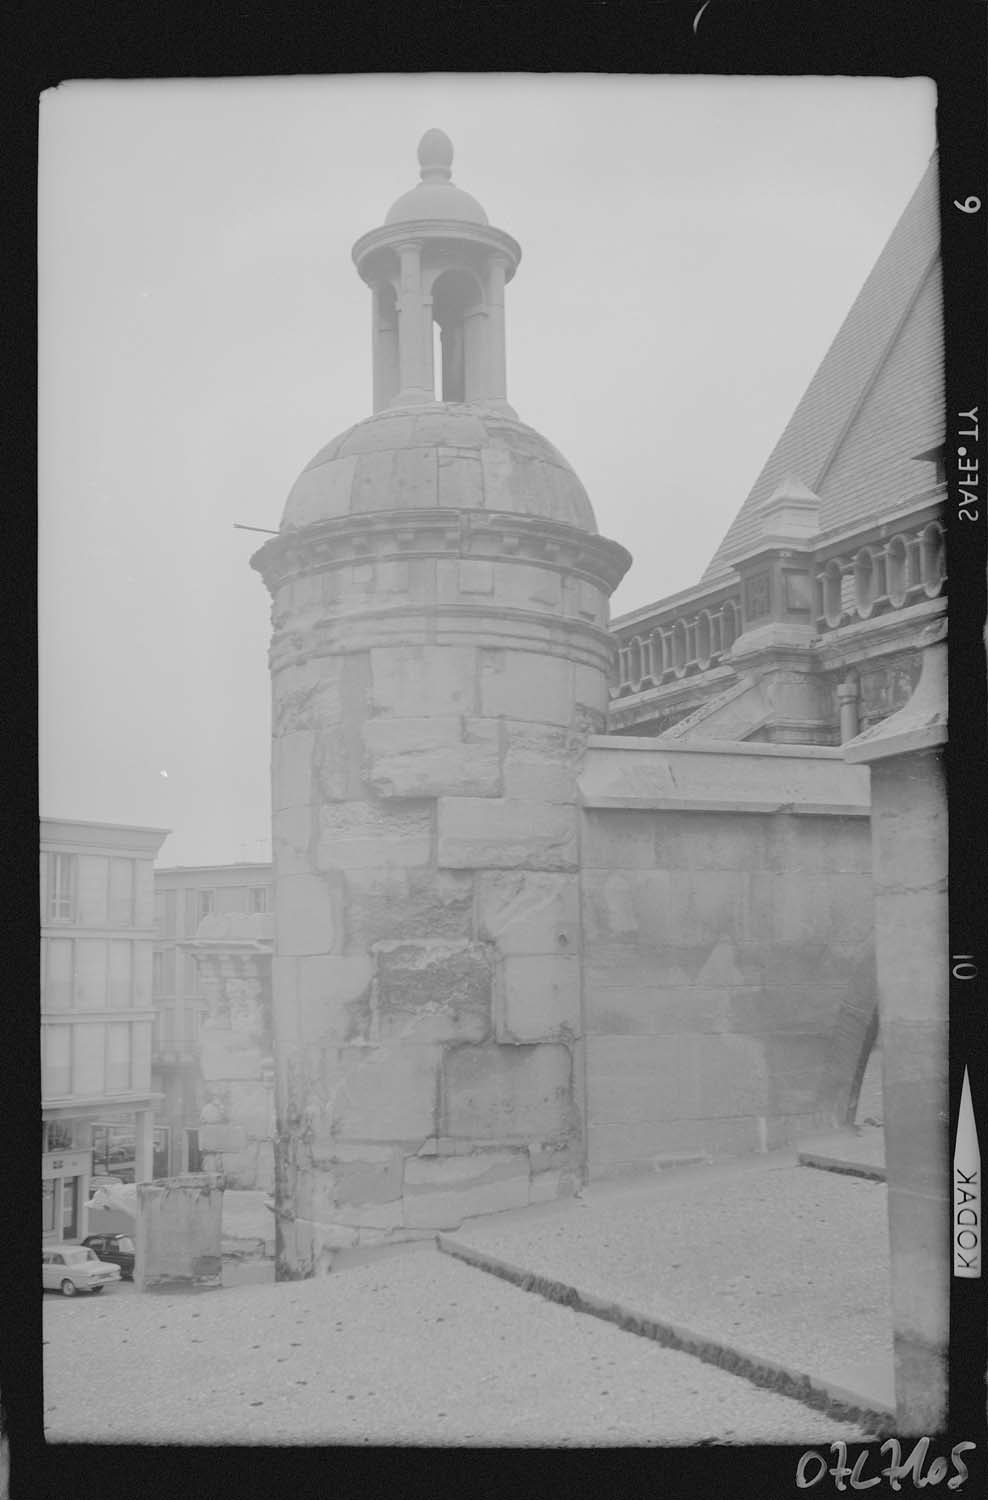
440	655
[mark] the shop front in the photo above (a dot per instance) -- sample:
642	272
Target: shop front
65	1177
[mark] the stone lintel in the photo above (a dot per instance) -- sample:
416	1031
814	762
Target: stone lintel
721	776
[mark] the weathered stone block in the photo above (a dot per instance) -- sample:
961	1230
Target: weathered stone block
475	576
431	991
428	757
540	762
291	832
646	1144
179	1234
252	1106
322	492
545	588
334	998
225	1054
284	1000
376	1217
632	1078
504	833
545	1187
590	688
618	839
386	1093
440	1192
460	480
521	685
332	762
414	681
514	1093
309	914
386	905
370	1182
291	764
357	835
529	911
635	1010
539	998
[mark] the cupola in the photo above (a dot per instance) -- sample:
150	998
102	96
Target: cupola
437	260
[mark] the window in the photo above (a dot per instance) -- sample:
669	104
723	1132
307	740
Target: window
260	899
121	987
58	974
165	913
121	892
198	904
58	1061
163	973
191	974
58	1136
61	882
91	964
47	1207
117	1059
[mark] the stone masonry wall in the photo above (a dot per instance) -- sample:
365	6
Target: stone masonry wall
237	1121
727	956
430	716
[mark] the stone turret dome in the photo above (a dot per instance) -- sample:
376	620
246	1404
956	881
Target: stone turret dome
439	456
436	196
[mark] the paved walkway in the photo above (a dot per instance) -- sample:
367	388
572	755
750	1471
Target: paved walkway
764	1266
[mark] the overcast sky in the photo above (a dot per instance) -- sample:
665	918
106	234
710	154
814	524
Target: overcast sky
689	249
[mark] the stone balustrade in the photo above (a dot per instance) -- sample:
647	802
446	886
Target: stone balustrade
678	642
858	578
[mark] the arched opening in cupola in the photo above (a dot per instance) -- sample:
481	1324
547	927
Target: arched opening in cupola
457	310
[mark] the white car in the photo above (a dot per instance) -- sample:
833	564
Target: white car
74	1268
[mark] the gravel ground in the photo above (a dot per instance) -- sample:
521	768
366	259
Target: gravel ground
416	1348
780	1260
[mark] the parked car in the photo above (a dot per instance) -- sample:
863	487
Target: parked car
118	1249
74	1268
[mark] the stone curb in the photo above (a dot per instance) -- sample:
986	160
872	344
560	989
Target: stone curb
848	1168
833	1400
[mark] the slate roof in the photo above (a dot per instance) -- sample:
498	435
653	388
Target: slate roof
876	401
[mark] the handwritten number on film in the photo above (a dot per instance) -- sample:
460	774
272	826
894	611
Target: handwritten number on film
969	206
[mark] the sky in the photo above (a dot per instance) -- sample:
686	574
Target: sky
690	246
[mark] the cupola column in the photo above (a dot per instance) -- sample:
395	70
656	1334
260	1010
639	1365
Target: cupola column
384	346
496	360
411	327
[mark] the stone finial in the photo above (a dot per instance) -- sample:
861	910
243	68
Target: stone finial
435	156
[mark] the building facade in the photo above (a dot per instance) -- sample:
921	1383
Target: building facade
184	897
556	899
97	936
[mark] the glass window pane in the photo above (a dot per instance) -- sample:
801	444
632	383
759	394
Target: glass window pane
120	974
142	975
91	893
118	1058
88	1059
61	868
191	974
57	1058
141	1074
90	973
121	892
58	974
